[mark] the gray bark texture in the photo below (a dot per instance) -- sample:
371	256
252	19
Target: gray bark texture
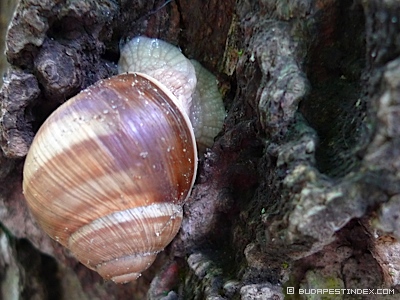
302	185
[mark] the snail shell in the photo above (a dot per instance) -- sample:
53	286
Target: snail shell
108	172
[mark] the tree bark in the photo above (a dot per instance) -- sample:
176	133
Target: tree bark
301	187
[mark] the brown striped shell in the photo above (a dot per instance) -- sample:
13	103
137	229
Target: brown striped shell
108	171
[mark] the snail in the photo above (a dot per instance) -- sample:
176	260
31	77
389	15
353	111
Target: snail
108	172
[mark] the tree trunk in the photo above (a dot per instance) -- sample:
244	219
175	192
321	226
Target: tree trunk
301	188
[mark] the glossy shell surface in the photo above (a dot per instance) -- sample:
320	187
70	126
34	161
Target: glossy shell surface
108	172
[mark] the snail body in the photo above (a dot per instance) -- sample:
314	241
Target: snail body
108	172
194	86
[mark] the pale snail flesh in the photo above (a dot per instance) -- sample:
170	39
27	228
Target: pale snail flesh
194	86
108	172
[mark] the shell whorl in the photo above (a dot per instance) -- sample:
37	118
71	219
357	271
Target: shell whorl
150	228
116	149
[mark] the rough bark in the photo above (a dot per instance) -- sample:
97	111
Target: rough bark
301	187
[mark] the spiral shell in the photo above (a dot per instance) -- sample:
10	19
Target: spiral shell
108	171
